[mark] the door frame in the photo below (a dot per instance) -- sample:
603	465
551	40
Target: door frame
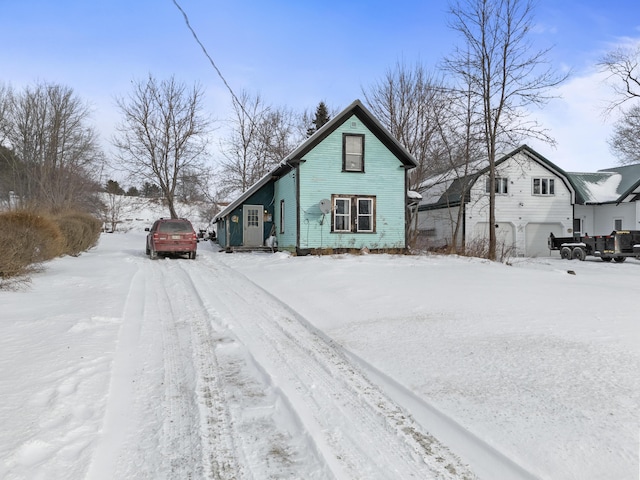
247	240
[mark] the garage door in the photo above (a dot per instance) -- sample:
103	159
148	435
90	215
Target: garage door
505	233
536	238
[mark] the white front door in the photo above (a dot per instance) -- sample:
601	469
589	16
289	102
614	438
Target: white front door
252	227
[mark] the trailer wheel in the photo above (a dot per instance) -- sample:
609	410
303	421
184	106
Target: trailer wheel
579	254
565	253
619	259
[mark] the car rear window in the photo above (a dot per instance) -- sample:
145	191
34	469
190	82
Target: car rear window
175	227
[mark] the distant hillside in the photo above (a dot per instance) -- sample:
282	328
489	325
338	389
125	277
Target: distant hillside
132	213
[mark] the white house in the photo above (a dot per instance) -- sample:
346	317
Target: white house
534	198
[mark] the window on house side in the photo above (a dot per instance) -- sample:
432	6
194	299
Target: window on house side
365	215
617	224
342	215
544	186
353	153
502	185
281	216
354	214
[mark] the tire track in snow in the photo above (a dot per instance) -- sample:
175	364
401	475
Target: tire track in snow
360	431
181	447
199	442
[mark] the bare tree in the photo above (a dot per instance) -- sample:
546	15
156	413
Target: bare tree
55	152
625	140
412	103
261	136
498	61
163	134
623	66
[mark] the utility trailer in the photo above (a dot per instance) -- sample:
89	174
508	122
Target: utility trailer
617	246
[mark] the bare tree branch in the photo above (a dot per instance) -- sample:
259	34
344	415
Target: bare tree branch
163	134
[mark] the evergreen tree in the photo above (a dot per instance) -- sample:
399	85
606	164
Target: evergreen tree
114	188
322	117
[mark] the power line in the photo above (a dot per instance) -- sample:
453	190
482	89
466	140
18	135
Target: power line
213	64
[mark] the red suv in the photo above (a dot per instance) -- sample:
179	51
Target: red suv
171	236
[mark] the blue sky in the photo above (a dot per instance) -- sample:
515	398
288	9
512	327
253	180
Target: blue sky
296	53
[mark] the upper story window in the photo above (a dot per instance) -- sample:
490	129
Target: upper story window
352	152
502	185
544	186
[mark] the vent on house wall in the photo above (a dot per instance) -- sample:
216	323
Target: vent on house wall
354	124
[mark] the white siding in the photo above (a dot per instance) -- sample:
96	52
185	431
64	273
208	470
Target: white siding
520	206
436	228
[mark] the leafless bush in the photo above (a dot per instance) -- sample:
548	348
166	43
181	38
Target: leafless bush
27	239
81	231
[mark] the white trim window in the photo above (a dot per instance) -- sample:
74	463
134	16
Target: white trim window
544	186
353	214
502	185
364	222
341	214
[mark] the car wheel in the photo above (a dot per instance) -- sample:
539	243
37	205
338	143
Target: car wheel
192	255
153	255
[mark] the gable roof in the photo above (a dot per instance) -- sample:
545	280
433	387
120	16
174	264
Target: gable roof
296	156
453	194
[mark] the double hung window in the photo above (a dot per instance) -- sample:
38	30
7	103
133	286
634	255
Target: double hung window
353	214
352	152
544	186
502	185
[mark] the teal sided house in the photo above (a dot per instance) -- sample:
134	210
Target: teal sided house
344	188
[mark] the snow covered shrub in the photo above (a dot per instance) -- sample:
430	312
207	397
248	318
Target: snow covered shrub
81	231
26	238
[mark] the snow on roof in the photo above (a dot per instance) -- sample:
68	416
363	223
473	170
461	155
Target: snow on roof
599	187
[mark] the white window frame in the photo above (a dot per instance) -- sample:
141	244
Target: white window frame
353	215
546	186
502	185
346	215
362	215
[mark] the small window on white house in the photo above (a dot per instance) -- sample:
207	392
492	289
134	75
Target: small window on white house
544	186
577	225
617	224
502	185
353	153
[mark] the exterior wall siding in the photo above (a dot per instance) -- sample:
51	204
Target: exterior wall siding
321	176
285	189
520	207
263	197
436	228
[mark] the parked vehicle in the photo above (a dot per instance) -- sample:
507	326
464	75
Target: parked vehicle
617	246
171	236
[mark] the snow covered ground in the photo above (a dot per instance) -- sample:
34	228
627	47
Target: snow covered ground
269	366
